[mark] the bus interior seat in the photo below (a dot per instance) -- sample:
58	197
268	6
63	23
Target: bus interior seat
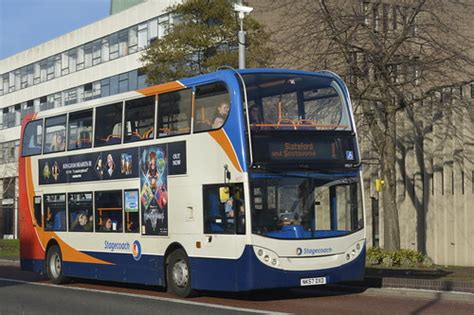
59	221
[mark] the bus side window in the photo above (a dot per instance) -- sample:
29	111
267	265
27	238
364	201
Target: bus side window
209	109
174	113
80	212
108	211
55	212
55	134
33	138
80	130
139	119
108	125
37	209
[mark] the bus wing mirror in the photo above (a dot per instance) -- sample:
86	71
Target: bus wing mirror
224	194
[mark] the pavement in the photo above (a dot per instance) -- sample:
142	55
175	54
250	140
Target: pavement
440	279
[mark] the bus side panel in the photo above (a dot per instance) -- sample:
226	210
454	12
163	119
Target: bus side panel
248	273
123	268
31	251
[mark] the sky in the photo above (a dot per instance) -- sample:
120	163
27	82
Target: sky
27	23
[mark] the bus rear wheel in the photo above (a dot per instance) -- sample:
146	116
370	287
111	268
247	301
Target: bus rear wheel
178	274
54	265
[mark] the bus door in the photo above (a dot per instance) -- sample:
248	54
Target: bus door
224	212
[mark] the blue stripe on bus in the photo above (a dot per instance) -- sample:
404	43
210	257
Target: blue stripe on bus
248	273
243	274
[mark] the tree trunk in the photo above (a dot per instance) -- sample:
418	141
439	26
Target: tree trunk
390	210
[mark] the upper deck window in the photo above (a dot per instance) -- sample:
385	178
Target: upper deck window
33	138
212	107
139	119
108	125
283	101
80	130
55	134
174	113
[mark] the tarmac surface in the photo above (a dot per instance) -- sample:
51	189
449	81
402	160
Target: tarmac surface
348	298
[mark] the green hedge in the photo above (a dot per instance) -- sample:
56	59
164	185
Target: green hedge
377	256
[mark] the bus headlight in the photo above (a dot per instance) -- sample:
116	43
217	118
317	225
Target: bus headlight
353	251
266	256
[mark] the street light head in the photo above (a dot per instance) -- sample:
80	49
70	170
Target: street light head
242	9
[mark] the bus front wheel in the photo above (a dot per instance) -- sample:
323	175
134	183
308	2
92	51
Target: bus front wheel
54	265
178	274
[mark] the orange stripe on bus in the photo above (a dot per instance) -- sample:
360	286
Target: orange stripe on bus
221	138
73	255
161	88
68	253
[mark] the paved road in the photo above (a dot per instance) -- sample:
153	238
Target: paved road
28	293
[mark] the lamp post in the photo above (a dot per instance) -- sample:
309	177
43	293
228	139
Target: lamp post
242	11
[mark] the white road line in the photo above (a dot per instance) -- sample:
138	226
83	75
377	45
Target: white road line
144	297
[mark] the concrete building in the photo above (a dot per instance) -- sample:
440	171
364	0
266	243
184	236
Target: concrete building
95	61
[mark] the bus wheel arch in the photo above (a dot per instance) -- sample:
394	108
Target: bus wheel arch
54	264
178	271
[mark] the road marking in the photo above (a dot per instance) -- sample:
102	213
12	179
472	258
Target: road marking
158	298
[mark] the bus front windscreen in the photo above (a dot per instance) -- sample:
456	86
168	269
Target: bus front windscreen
306	208
285	101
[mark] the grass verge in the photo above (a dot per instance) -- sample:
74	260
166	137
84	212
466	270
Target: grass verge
9	248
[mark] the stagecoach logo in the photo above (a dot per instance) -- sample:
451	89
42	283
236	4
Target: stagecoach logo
313	251
136	250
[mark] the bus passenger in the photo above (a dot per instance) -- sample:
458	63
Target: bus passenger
57	143
107	225
81	223
220	116
49	219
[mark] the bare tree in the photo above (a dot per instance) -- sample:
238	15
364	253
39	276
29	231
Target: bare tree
393	55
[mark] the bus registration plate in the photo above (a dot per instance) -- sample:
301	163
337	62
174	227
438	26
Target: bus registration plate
312	281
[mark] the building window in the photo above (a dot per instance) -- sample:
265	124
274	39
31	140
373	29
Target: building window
88	55
97	52
123	42
123	82
133	39
113	46
142	35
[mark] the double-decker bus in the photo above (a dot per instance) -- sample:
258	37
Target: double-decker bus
229	181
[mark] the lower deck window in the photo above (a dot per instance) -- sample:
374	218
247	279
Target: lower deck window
80	212
109	211
55	212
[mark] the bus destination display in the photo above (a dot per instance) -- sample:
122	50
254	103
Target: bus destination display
298	149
